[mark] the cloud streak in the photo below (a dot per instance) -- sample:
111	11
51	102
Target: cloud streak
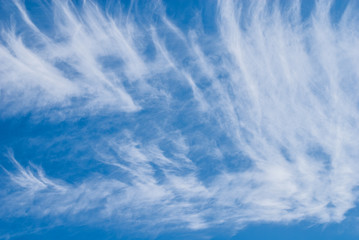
256	123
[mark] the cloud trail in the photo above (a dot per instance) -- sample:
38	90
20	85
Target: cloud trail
255	123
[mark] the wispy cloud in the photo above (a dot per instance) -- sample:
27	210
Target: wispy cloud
256	123
67	65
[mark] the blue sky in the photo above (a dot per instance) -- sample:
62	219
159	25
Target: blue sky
179	119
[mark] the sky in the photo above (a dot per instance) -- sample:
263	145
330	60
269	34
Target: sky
179	119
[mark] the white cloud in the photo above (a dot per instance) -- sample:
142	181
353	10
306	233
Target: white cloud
282	91
68	65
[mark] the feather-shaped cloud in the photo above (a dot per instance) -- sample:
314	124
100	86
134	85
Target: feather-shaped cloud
255	123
